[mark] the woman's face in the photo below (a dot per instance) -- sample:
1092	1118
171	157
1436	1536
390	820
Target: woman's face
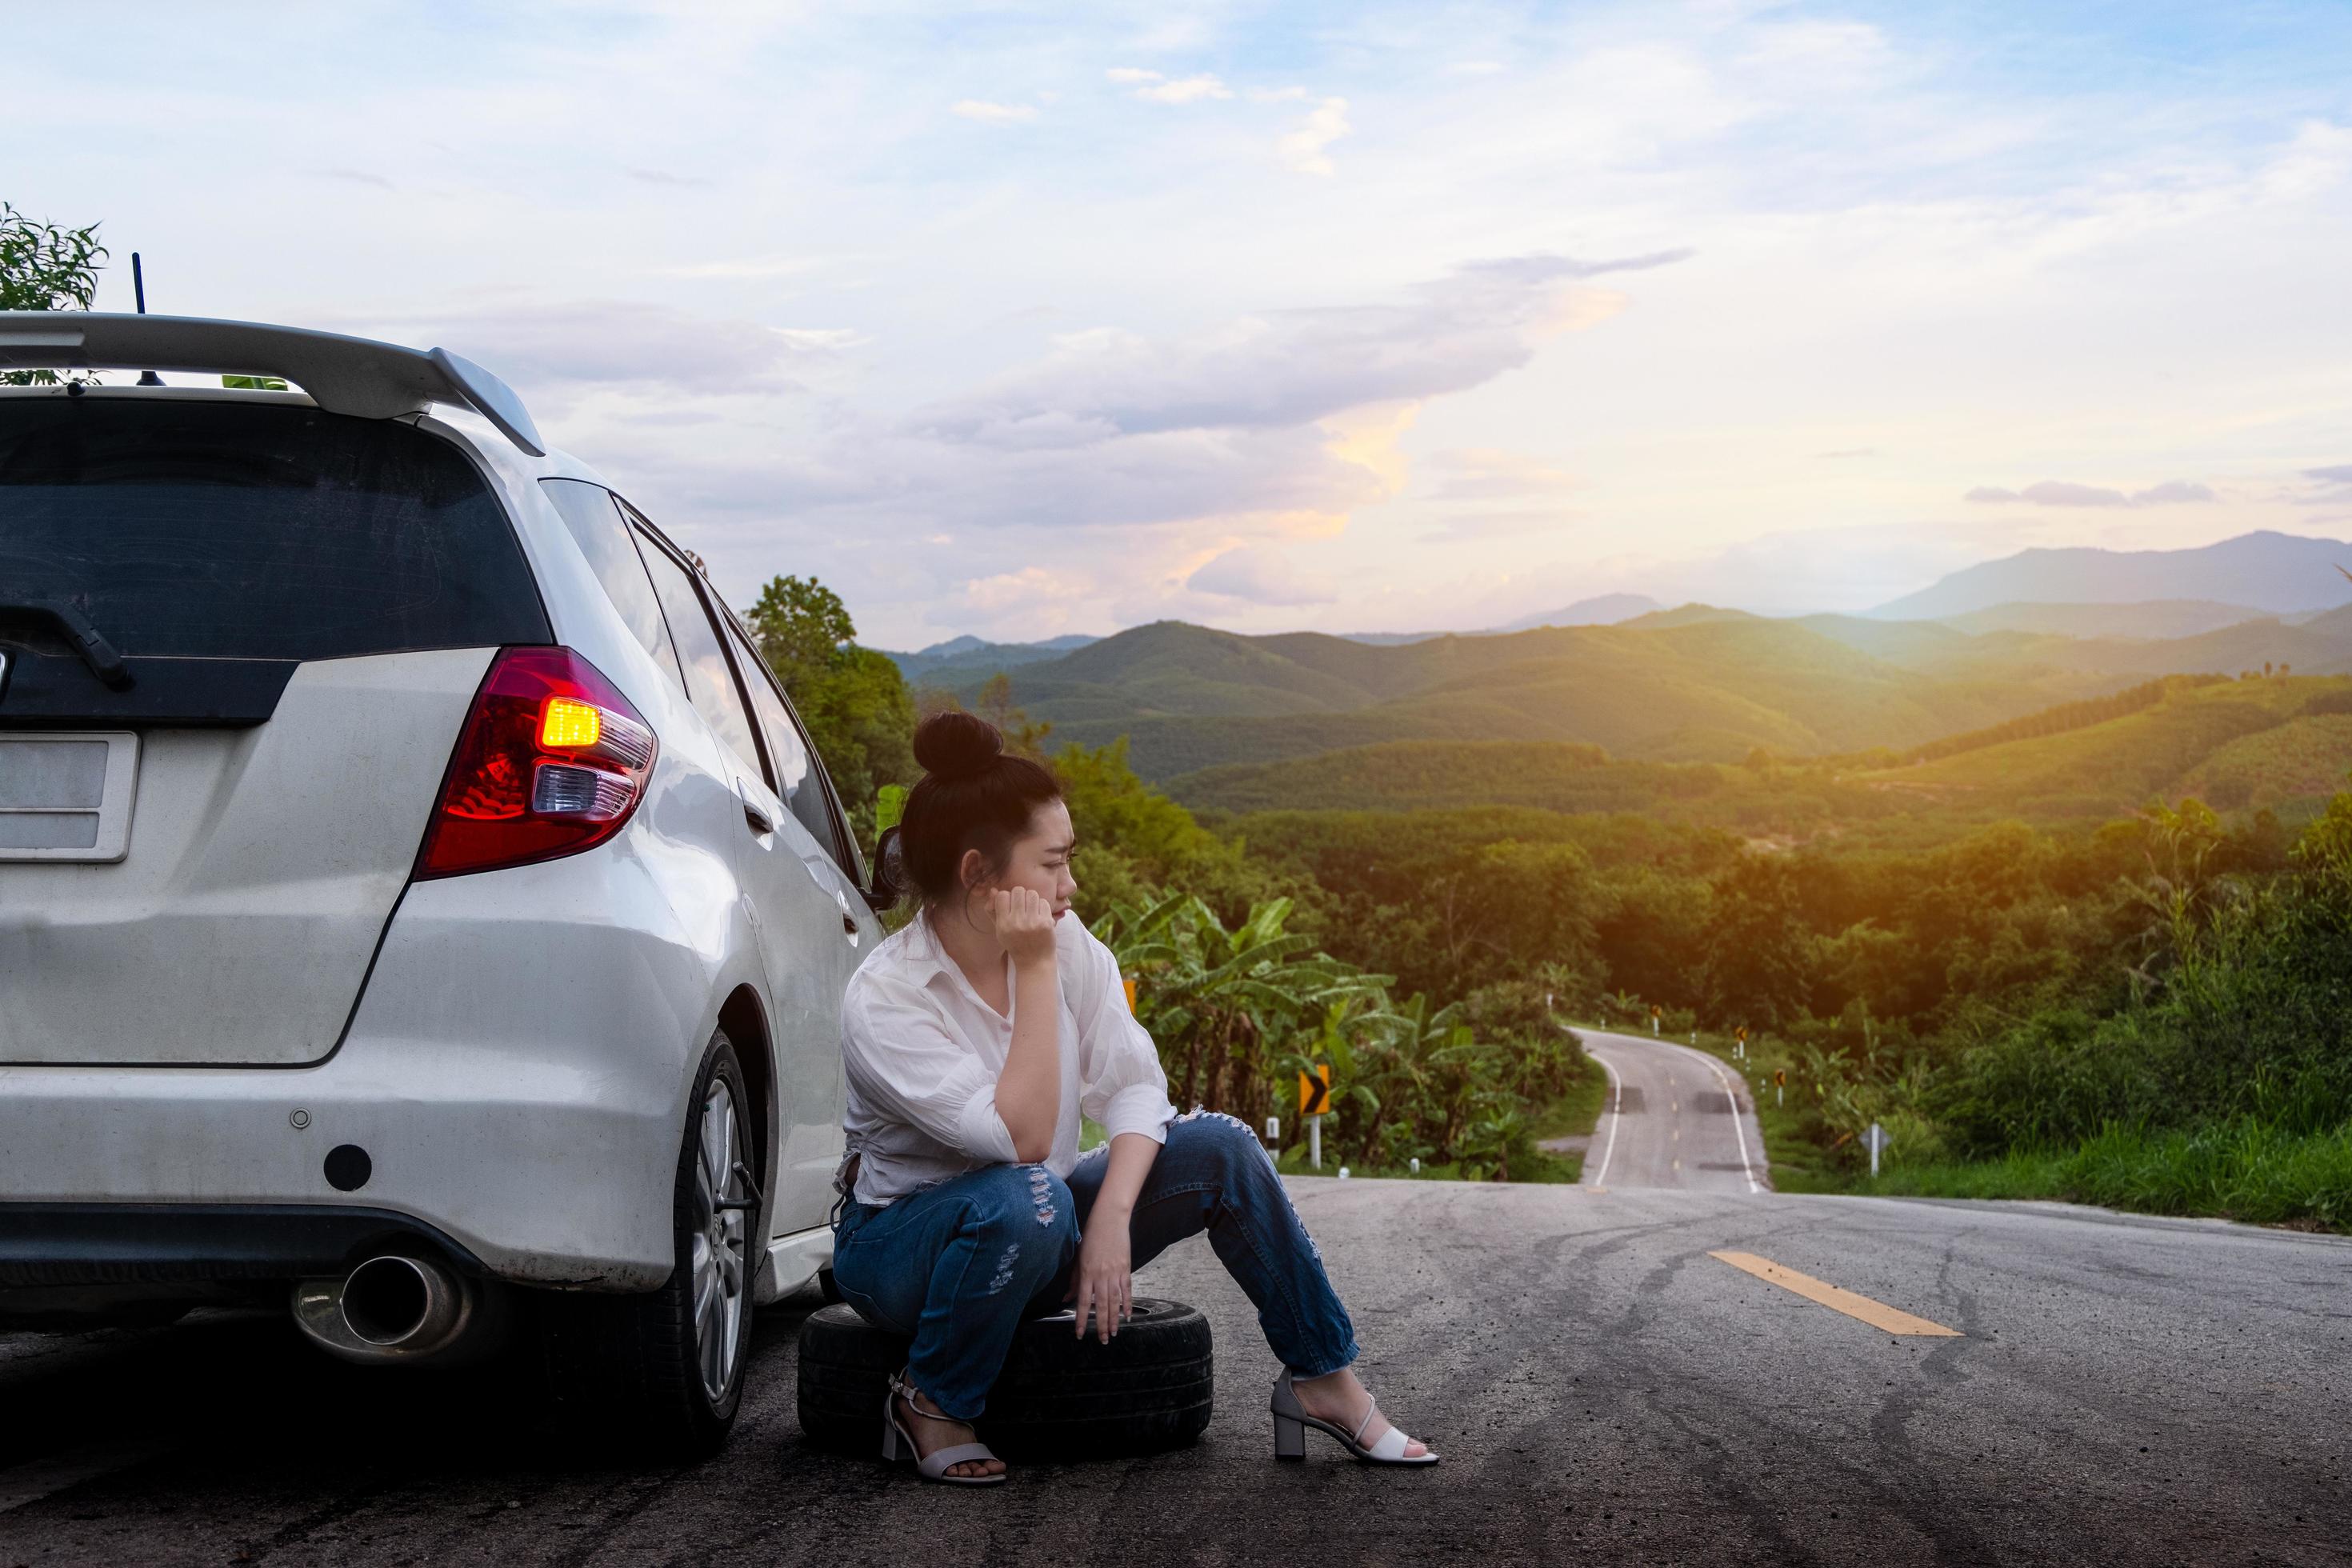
1039	859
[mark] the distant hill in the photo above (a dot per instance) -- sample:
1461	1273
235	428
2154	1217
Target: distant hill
1686	616
2235	743
1604	610
966	656
2152	619
2322	645
1549	775
1712	690
2274	573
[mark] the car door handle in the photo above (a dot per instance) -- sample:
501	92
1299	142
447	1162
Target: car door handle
761	822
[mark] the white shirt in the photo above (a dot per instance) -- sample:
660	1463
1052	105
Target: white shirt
924	1052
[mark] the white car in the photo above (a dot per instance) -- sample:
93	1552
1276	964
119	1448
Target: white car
419	905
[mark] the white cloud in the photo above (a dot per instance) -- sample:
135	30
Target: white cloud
1260	577
994	113
1306	148
2059	493
1483	525
1030	589
1184	90
1489	473
624	343
1283	369
781	265
1154	87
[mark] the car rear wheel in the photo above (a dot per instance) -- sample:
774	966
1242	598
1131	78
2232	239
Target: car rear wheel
664	1371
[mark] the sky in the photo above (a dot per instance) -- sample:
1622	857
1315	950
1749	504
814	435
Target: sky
1023	321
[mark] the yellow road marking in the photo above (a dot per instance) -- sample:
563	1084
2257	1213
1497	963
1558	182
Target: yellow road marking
1877	1314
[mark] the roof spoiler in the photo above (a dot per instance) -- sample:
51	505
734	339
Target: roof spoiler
343	375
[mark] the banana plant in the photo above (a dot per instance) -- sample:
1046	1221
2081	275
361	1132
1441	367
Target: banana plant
1225	1004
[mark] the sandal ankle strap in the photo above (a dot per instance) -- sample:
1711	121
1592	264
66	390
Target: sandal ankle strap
901	1389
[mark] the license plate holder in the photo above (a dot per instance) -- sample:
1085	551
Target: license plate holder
66	794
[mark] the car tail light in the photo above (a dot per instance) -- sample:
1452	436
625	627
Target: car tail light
552	760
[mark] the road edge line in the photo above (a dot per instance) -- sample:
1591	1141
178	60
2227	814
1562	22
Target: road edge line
1616	1097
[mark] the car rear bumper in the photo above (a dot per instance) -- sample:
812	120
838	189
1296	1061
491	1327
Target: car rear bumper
541	1176
516	1074
59	1246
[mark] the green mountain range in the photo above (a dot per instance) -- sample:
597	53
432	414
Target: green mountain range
1695	684
2262	742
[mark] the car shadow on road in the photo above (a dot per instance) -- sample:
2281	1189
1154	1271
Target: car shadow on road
243	1387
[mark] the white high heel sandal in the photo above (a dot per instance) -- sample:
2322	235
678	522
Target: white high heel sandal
1291	1421
930	1467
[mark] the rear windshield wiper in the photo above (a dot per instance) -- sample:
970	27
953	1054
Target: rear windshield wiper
88	641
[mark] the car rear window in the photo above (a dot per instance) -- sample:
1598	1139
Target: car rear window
238	531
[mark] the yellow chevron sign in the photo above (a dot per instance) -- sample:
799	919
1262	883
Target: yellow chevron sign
1315	1093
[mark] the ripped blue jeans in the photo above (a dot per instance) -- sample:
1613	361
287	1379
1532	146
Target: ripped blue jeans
958	1264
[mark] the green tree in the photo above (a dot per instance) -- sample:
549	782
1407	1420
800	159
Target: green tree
1023	736
1759	956
854	701
44	267
802	626
1227	1007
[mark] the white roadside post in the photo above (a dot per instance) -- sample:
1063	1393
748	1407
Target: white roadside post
1315	1141
1274	1131
1416	1164
1875	1140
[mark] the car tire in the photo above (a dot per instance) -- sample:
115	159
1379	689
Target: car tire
663	1372
1059	1397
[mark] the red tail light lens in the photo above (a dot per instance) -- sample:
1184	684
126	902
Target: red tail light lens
552	760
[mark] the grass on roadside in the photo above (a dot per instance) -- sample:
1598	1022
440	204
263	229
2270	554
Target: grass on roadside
1575	1113
2244	1170
1538	1166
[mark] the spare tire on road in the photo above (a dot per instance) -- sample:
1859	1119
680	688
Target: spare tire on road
1059	1397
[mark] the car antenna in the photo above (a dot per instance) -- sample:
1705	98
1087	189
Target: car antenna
139	291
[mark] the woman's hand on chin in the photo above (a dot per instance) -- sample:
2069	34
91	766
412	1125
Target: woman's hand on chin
1024	923
1102	1282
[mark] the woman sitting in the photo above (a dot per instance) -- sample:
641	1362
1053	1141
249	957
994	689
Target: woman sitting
975	1038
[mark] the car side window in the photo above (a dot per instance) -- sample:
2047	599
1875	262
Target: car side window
803	791
604	537
710	683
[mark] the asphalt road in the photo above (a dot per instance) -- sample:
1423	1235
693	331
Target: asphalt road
1675	1118
2122	1390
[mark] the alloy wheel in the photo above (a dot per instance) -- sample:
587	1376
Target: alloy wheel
724	1201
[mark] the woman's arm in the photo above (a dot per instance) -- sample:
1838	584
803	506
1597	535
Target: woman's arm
1104	1280
1029	1090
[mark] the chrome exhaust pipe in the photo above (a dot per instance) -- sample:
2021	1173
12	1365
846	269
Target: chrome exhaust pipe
395	1308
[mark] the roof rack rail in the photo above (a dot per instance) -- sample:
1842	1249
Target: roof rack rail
343	375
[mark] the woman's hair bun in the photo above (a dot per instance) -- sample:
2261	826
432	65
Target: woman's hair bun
956	744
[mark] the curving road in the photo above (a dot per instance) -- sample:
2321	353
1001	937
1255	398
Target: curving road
1676	1118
